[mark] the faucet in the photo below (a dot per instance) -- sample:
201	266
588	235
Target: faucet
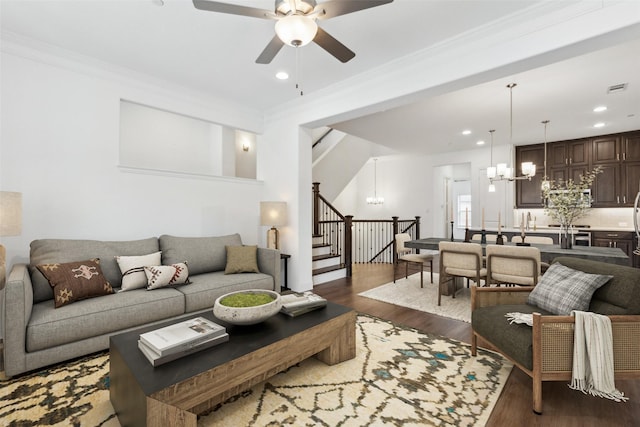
528	220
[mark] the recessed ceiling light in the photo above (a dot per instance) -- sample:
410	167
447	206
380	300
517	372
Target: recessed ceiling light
600	109
282	75
466	132
481	142
599	125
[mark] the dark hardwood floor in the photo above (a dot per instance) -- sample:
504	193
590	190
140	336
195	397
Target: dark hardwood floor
562	406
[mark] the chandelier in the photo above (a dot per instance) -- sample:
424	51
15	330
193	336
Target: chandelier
501	172
375	200
545	180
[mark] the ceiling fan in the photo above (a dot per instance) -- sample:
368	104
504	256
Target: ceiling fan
296	22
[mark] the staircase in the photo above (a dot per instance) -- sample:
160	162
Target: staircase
326	266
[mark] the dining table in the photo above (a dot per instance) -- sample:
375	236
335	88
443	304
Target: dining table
547	252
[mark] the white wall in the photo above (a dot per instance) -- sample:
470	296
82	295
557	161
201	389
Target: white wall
59	147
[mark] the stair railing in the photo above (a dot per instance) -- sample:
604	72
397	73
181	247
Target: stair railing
358	241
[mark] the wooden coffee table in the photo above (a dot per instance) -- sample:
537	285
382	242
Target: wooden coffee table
173	394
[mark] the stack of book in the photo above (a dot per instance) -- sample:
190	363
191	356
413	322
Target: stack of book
172	342
296	304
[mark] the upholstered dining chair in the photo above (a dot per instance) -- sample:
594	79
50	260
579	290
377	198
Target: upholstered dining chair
459	260
489	237
513	265
405	255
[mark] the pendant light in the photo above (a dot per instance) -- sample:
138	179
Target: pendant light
545	181
491	170
375	200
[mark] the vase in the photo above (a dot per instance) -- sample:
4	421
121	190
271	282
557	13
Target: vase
565	237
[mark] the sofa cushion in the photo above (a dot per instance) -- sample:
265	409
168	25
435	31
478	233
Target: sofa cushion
132	269
203	290
49	327
160	276
620	295
50	251
204	254
562	289
75	281
513	340
242	259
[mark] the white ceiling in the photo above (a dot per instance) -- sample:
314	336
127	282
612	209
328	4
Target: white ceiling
214	54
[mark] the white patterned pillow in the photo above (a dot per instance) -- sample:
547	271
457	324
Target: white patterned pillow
562	289
160	276
132	269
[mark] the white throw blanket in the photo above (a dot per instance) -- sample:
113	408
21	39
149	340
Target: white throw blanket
593	356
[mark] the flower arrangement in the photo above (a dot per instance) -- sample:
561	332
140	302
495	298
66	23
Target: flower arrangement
566	202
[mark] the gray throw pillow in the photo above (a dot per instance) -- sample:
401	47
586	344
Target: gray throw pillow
562	289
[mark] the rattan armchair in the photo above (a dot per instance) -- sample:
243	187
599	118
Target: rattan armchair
545	350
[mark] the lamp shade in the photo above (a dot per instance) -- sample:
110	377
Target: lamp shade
296	30
10	213
273	213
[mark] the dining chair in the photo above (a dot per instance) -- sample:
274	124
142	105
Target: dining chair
405	255
459	260
513	265
543	240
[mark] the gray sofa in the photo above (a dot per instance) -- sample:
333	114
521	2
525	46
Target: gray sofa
37	334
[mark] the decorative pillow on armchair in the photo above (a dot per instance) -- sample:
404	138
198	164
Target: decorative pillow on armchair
74	281
132	268
562	289
160	276
242	259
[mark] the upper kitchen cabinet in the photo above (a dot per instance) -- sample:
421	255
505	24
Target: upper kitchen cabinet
618	155
528	193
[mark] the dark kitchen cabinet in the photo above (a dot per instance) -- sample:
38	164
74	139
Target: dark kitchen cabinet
528	193
618	155
616	239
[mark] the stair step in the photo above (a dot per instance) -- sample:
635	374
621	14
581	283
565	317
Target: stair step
318	250
323	256
324	275
325	260
323	270
320	245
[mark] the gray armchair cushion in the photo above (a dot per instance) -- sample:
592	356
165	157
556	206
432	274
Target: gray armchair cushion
514	340
202	254
52	251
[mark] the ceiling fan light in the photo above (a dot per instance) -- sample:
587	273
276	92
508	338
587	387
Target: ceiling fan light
296	30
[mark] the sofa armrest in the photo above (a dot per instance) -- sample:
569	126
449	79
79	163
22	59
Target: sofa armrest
18	303
555	344
269	263
487	297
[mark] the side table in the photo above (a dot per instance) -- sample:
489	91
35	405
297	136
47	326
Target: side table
285	257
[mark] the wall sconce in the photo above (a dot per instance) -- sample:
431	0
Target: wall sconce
273	214
245	146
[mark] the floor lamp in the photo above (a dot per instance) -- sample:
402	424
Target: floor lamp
275	215
10	224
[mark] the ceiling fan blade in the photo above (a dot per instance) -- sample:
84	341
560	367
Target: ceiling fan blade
332	8
233	9
333	46
270	51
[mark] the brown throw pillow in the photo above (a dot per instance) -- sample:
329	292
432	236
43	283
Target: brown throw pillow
74	281
242	259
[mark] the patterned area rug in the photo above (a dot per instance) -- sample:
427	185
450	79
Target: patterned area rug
399	377
408	293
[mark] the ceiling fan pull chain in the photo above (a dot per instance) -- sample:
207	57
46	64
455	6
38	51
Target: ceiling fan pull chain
298	73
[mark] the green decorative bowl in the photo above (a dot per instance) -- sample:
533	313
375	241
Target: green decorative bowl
248	315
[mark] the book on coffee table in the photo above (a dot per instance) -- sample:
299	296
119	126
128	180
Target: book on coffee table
181	336
156	359
296	304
